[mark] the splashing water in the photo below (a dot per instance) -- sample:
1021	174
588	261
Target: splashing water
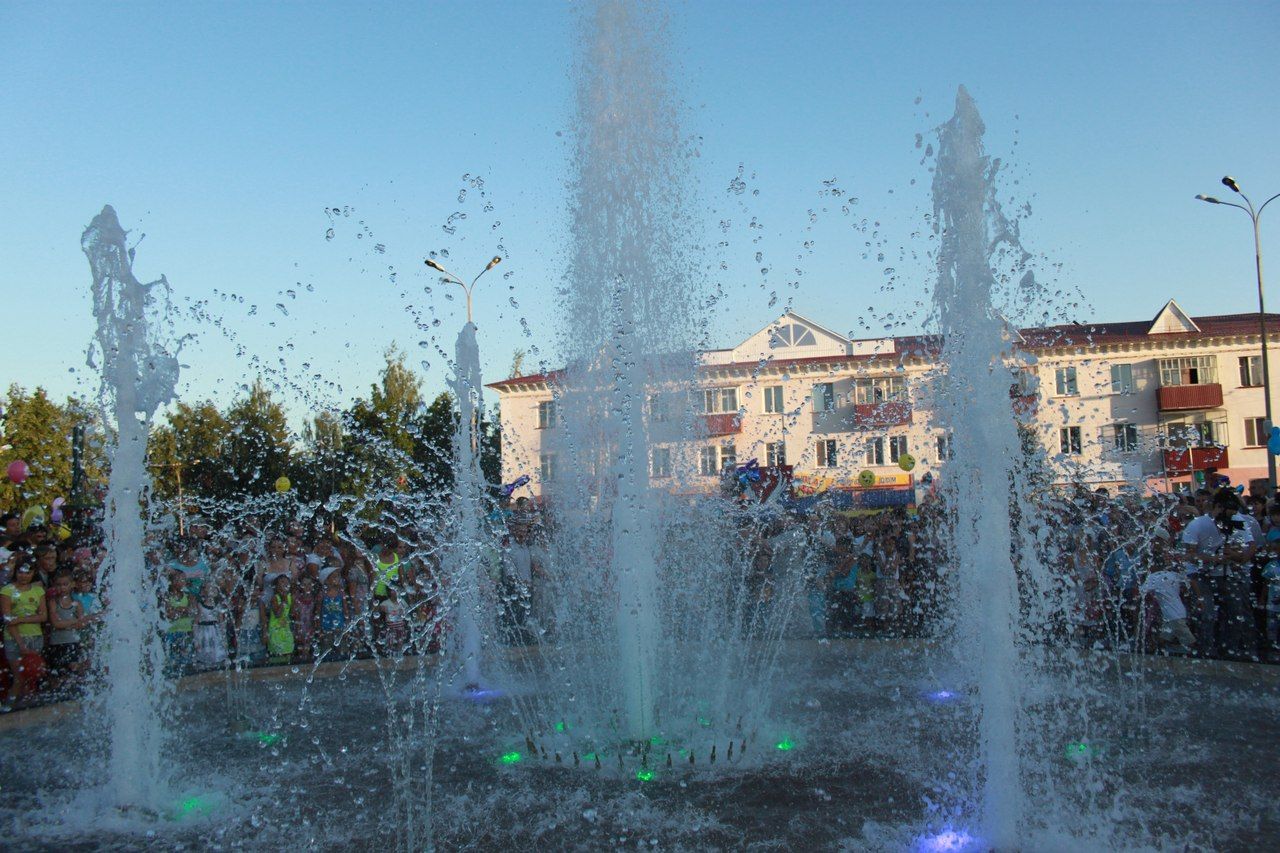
975	409
464	560
138	376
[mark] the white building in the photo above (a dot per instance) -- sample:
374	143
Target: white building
1153	400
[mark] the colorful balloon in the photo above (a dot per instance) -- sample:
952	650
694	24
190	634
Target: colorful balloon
283	484
1273	443
56	516
18	471
867	478
32	516
906	461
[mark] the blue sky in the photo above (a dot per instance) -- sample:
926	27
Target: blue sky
224	131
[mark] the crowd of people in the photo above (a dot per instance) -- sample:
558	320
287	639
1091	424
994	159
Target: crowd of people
1190	574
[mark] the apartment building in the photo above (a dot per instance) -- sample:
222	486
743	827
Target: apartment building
1151	401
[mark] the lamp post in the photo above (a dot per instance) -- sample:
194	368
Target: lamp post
466	288
1254	213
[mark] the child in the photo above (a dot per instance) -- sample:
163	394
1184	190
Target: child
1165	585
305	599
395	628
177	639
333	612
66	617
210	632
23	605
279	638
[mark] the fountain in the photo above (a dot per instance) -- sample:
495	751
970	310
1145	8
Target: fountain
667	700
139	375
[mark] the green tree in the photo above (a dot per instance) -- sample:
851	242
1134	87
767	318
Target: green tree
42	433
258	446
189	448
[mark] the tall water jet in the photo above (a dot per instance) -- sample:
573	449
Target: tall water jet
138	376
630	322
468	495
975	408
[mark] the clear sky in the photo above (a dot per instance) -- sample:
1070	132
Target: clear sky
225	131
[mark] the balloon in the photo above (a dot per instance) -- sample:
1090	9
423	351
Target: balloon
56	515
867	478
283	484
18	471
906	461
32	516
511	487
62	532
1273	443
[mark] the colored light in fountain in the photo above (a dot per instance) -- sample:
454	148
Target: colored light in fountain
786	744
511	758
656	740
195	806
705	722
644	775
947	841
942	696
267	738
1080	750
560	726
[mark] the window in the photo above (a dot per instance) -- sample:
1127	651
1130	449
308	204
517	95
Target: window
728	456
1069	440
944	448
828	456
659	408
879	389
1255	432
1189	370
1250	371
712	459
773	399
546	414
717	401
1122	379
547	467
897	448
1025	383
1066	382
660	462
1124	437
1195	434
775	454
792	335
824	396
875	451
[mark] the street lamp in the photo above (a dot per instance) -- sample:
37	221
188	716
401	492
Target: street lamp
1254	213
466	288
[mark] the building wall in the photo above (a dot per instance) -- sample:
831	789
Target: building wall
1095	409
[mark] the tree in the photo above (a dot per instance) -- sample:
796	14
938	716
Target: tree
258	446
190	446
42	433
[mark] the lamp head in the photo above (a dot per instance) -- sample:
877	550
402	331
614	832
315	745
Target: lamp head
1230	183
1208	198
493	263
432	263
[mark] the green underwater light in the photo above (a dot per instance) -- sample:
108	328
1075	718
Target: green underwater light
193	807
510	757
644	775
1081	750
786	744
560	726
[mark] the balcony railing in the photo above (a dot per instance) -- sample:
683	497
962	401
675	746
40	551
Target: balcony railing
1184	460
884	414
725	424
1181	398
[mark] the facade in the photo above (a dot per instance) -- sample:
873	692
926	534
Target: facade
1156	401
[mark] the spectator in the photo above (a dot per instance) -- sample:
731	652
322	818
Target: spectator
22	603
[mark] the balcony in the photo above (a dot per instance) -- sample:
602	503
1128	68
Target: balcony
1182	398
1184	460
725	424
889	413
